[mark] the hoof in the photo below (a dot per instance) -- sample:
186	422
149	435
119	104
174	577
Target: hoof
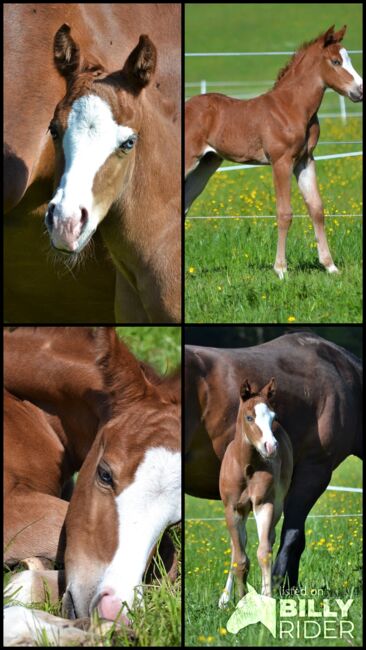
224	599
332	268
38	564
281	271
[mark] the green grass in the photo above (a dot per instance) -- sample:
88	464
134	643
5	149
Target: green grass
229	276
332	561
253	27
156	623
159	346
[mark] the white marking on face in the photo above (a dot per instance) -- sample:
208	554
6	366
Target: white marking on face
145	509
264	418
347	65
91	136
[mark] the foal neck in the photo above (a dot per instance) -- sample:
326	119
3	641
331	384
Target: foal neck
303	87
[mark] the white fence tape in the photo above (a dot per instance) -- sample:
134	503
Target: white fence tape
348	154
190	54
269	216
337	488
251	518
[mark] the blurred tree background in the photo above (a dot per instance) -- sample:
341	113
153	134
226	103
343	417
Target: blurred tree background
241	336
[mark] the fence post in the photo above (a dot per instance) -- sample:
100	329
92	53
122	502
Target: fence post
342	106
203	87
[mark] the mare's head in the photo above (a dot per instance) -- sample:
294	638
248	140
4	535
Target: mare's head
95	129
255	417
336	69
129	487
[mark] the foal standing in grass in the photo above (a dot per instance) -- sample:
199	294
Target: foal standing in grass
255	475
279	128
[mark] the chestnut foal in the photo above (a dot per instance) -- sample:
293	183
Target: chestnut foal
279	128
255	475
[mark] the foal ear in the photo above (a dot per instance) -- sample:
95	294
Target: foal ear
66	53
141	64
245	390
270	389
330	36
338	36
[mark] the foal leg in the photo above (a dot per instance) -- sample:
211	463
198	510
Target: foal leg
36	586
197	179
306	179
33	523
239	560
264	517
282	170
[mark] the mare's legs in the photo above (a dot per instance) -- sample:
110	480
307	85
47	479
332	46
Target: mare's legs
239	559
33	523
306	179
197	179
309	480
282	170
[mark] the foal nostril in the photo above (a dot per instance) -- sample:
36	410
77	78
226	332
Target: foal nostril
49	215
271	447
84	218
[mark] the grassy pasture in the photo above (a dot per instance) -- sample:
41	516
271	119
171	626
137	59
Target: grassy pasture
229	276
332	561
158	623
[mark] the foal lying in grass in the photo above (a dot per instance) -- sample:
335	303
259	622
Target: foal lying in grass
255	475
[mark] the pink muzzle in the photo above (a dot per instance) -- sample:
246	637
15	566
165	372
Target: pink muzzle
109	607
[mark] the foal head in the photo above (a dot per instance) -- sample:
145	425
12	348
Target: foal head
95	130
129	487
336	68
255	417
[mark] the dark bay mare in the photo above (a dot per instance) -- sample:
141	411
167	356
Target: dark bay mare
279	128
318	402
78	398
106	80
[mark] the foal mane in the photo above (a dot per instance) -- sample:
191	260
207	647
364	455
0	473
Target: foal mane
83	333
295	59
127	377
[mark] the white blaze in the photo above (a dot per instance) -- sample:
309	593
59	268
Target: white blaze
91	136
347	65
145	509
264	418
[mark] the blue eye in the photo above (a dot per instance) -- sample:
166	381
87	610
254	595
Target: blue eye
128	144
105	476
249	418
